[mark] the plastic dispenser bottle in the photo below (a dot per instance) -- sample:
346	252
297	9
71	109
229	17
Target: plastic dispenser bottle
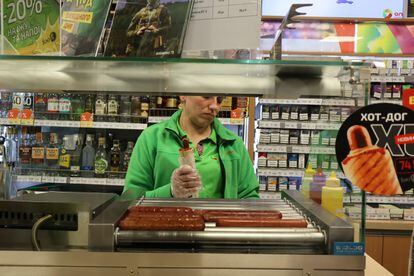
307	180
333	196
319	180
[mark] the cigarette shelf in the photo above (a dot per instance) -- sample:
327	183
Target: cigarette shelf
288	172
295	149
68	180
289	124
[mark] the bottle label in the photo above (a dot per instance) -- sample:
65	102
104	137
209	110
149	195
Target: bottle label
52	154
25	154
172	102
113	107
100	107
74	168
17	102
144	106
100	166
64	105
38	153
86	168
64	161
53	105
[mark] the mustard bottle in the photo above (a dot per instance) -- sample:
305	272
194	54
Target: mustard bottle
333	196
307	180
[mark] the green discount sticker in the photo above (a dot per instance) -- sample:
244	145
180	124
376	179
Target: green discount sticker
31	26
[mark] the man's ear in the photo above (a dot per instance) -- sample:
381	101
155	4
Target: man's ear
182	99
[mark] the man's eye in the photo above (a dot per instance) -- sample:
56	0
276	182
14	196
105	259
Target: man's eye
219	100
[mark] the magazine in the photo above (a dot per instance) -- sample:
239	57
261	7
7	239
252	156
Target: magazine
82	25
149	28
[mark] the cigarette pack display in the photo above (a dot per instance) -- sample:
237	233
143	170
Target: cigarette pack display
262	160
301	161
272	183
324	113
303	113
325	137
272	160
293	160
285	112
332	139
345	112
335	114
294	112
305	137
275	136
262	183
284	136
283	183
294	183
265	136
376	91
313	160
274	112
388	91
315	137
396	91
314	111
334	163
325	161
294	136
282	160
265	112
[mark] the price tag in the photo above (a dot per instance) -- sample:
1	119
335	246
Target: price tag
13	116
48	179
3	121
40	123
75	180
405	71
374	70
22	178
26	117
236	121
61	180
111	181
299	149
291	125
34	178
308	126
86	120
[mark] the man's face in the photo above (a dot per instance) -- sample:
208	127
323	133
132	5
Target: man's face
201	110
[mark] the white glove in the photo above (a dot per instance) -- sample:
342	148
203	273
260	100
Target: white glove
185	182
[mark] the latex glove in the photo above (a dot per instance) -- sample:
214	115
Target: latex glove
185	182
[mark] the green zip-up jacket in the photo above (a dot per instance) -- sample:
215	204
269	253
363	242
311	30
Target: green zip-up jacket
155	157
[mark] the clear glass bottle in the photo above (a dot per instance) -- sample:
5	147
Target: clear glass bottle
65	106
115	163
101	159
64	157
113	108
10	147
25	152
88	157
52	106
38	154
78	106
126	158
100	107
52	154
75	156
2	150
89	103
125	108
135	109
40	106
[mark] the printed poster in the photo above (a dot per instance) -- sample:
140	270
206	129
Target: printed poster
82	25
30	27
375	149
149	28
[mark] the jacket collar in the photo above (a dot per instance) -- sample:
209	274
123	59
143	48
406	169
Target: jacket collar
222	132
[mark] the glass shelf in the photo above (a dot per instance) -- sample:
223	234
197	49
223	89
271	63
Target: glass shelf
161	76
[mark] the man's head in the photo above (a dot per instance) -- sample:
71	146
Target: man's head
153	3
201	110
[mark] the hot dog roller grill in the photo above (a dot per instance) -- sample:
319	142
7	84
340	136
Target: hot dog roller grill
318	238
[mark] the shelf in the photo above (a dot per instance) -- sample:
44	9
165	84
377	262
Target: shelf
287	172
298	125
224	121
295	149
270	195
69	180
305	101
162	76
391	101
397	79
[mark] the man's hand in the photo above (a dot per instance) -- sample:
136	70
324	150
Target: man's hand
140	30
153	29
185	182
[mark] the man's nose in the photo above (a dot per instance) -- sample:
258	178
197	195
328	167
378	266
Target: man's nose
214	105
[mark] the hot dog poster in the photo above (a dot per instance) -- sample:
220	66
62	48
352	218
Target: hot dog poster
375	148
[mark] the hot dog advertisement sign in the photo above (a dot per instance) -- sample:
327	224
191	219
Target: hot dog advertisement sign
375	148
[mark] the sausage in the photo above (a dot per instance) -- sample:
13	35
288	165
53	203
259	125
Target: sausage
358	137
213	215
160	223
160	209
261	222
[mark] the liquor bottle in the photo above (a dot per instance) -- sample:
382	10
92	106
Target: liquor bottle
125	108
5	103
171	102
78	106
10	148
38	155
40	106
100	107
113	108
115	162
88	158
65	106
2	151
144	106
25	152
75	156
89	103
52	106
127	157
52	154
101	159
64	157
160	102
135	109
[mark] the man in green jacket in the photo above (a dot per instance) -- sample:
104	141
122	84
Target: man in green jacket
223	167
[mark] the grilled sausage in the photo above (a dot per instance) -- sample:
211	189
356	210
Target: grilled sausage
160	209
213	215
260	222
166	223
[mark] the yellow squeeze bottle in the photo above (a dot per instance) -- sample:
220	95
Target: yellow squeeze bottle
307	180
333	196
